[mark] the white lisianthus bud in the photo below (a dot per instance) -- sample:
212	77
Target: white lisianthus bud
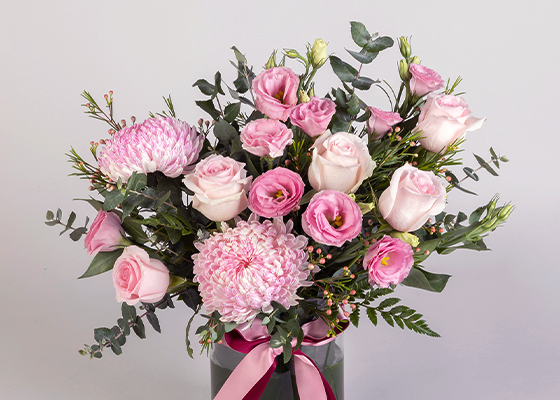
404	47
303	97
403	71
319	53
415	60
406	237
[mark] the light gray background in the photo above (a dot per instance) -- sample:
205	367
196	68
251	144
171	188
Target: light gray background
499	314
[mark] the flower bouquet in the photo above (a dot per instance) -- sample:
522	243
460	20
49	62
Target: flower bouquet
285	216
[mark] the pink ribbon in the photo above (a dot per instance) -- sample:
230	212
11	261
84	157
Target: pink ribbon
250	377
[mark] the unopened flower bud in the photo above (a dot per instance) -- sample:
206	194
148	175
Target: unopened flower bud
505	212
319	53
404	47
271	63
311	91
415	60
291	53
406	237
133	119
303	97
403	71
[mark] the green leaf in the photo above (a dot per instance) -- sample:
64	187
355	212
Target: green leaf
360	34
388	318
240	57
495	158
485	165
205	87
191	298
139	328
130	203
372	315
113	199
422	279
461	217
77	233
230	326
277	340
388	303
218	85
59	214
103	334
470	173
355	317
102	262
354	105
128	313
123	325
476	214
116	347
153	320
307	197
174	234
224	132
343	70
287	351
379	44
364	56
135	230
232	111
208	106
136	182
93	202
363	83
50	215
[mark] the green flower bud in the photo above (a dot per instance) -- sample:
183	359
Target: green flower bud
291	53
415	60
403	71
319	53
404	47
311	91
303	97
406	237
505	212
271	63
366	207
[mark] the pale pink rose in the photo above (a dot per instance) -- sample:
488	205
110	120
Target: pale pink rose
340	162
105	233
266	137
314	116
332	218
423	80
444	119
388	261
275	193
220	185
137	277
381	122
412	196
276	91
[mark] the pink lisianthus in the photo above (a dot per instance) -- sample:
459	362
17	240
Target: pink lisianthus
444	119
381	122
137	277
332	218
423	80
220	185
105	233
388	261
158	144
276	92
314	116
340	162
242	270
275	193
266	137
412	196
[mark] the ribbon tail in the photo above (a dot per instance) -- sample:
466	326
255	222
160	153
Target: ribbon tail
249	379
311	383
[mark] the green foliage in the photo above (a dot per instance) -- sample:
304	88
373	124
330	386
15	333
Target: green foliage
76	233
102	262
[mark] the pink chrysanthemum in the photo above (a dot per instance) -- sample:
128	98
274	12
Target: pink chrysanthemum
158	144
243	269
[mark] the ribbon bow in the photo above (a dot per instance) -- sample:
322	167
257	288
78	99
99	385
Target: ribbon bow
250	377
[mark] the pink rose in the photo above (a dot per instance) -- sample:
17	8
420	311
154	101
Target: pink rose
423	80
332	218
276	91
105	233
314	116
220	185
275	193
412	196
137	277
266	137
340	162
444	119
388	261
381	122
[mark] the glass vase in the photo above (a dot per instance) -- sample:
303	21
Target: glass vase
329	358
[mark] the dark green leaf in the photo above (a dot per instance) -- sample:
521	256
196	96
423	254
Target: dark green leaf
174	234
277	340
399	321
208	106
128	313
461	217
232	111
59	214
205	87
71	220
134	229
360	34
422	279
161	199
113	199
287	351
307	197
495	158
379	44
123	325
246	101
355	317
388	318
470	173
485	165
343	70
137	182
372	315
116	347
102	262
139	328
364	56
130	203
191	298
218	85
51	223
363	83
224	131
230	326
153	320
103	334
50	215
354	105
388	303
240	57
77	233
94	203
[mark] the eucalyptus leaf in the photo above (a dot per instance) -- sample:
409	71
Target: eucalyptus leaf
208	106
379	44
360	34
364	56
191	298
224	131
205	87
77	233
139	328
50	215
232	111
343	70
363	83
485	165
153	320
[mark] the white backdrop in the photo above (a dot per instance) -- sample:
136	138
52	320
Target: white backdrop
498	317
